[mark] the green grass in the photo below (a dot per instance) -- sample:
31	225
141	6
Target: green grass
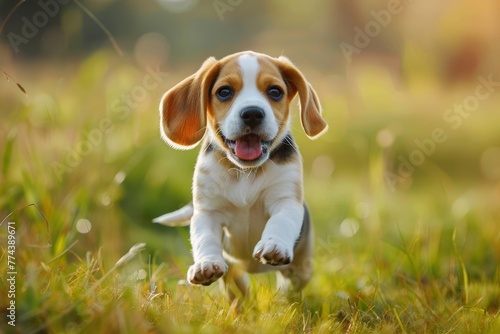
424	257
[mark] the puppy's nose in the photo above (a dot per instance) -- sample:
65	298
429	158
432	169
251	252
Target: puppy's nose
252	116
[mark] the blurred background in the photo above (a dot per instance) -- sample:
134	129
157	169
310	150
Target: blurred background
410	90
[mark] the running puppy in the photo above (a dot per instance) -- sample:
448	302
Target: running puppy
248	213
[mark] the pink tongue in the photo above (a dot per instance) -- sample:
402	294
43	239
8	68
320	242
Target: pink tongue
248	147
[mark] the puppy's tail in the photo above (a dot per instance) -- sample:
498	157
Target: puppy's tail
181	217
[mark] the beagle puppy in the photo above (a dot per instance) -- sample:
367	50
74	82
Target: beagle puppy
247	214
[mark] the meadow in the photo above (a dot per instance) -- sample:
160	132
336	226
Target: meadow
404	192
418	254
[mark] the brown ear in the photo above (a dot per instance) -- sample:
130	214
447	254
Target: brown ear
310	108
183	108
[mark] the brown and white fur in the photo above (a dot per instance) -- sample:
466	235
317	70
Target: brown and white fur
247	214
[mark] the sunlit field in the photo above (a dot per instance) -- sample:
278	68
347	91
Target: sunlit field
404	188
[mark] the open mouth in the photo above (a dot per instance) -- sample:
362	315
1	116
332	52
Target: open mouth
248	147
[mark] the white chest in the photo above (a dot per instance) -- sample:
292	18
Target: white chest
215	186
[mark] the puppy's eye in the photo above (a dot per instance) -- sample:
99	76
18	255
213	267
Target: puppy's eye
224	93
275	93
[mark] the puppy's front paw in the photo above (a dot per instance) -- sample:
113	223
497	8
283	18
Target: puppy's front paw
272	252
205	272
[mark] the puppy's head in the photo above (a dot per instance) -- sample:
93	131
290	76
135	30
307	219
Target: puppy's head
243	100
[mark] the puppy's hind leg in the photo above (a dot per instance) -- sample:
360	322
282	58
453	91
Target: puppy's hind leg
235	284
294	278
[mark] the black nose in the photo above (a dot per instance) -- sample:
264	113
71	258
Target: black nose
252	116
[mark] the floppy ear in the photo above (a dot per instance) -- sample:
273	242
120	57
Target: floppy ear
310	108
183	108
